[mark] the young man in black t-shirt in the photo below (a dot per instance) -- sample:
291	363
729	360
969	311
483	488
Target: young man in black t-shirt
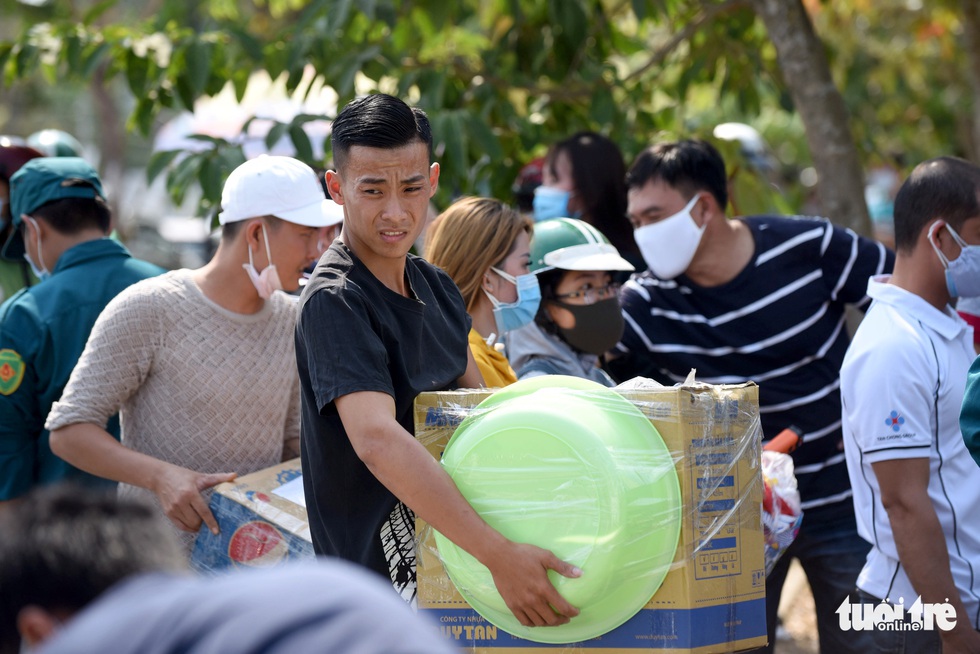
378	327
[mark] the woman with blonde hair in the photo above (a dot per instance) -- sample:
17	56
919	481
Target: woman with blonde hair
485	246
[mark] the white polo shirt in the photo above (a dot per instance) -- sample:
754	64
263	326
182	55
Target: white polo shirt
902	384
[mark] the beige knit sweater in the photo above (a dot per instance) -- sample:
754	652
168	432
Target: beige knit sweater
195	384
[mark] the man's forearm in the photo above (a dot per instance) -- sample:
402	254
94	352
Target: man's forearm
92	449
922	551
416	478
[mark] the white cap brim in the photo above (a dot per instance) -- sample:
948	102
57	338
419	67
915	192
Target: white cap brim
588	256
319	214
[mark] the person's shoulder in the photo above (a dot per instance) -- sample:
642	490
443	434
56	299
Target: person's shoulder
338	257
20	303
335	268
438	279
643	287
285	307
786	227
21	322
141	268
160	285
158	292
888	339
427	269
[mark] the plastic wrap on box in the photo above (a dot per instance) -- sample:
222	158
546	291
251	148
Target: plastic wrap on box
257	526
568	463
713	596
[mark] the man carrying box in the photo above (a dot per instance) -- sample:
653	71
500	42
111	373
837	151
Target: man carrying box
200	363
378	327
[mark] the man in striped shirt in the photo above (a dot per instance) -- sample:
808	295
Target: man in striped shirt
757	298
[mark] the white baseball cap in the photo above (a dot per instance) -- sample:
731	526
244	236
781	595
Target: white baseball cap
334	213
277	186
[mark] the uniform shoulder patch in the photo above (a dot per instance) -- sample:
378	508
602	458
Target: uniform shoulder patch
11	371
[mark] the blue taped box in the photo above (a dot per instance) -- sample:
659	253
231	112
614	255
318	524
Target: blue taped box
713	599
258	526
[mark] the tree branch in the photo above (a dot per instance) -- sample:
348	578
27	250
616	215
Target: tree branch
971	39
705	16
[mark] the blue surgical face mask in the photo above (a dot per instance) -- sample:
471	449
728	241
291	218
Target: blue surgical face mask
516	314
963	272
41	272
550	202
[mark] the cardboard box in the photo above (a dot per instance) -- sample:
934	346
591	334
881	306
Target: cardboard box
713	599
258	526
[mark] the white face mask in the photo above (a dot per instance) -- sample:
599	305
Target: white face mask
668	245
963	272
39	269
265	282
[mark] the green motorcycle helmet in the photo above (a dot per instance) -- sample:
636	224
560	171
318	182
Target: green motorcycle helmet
571	244
55	143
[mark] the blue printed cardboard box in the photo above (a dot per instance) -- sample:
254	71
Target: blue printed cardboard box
713	599
258	526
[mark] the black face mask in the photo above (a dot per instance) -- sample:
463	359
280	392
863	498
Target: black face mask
598	327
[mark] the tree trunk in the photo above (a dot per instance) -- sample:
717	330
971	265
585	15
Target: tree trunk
806	73
112	134
971	39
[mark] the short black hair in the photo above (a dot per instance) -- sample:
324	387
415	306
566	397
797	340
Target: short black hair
548	281
378	121
688	165
63	546
943	188
70	216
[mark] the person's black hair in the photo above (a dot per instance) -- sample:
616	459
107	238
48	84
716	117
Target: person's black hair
70	216
321	175
63	546
548	281
230	230
378	121
598	174
689	166
943	188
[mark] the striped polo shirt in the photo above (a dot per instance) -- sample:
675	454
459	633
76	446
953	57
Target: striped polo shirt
780	323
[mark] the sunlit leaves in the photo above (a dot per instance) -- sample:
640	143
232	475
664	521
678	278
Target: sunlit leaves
501	79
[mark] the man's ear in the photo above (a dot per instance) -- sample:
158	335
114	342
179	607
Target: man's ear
37	225
334	187
252	232
433	179
707	209
36	625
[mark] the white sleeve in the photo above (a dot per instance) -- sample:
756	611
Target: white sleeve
889	394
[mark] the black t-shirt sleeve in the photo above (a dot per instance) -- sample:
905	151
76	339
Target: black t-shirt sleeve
345	354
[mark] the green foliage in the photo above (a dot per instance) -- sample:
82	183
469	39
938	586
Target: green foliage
502	79
903	77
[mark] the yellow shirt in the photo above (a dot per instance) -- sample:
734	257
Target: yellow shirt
493	365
